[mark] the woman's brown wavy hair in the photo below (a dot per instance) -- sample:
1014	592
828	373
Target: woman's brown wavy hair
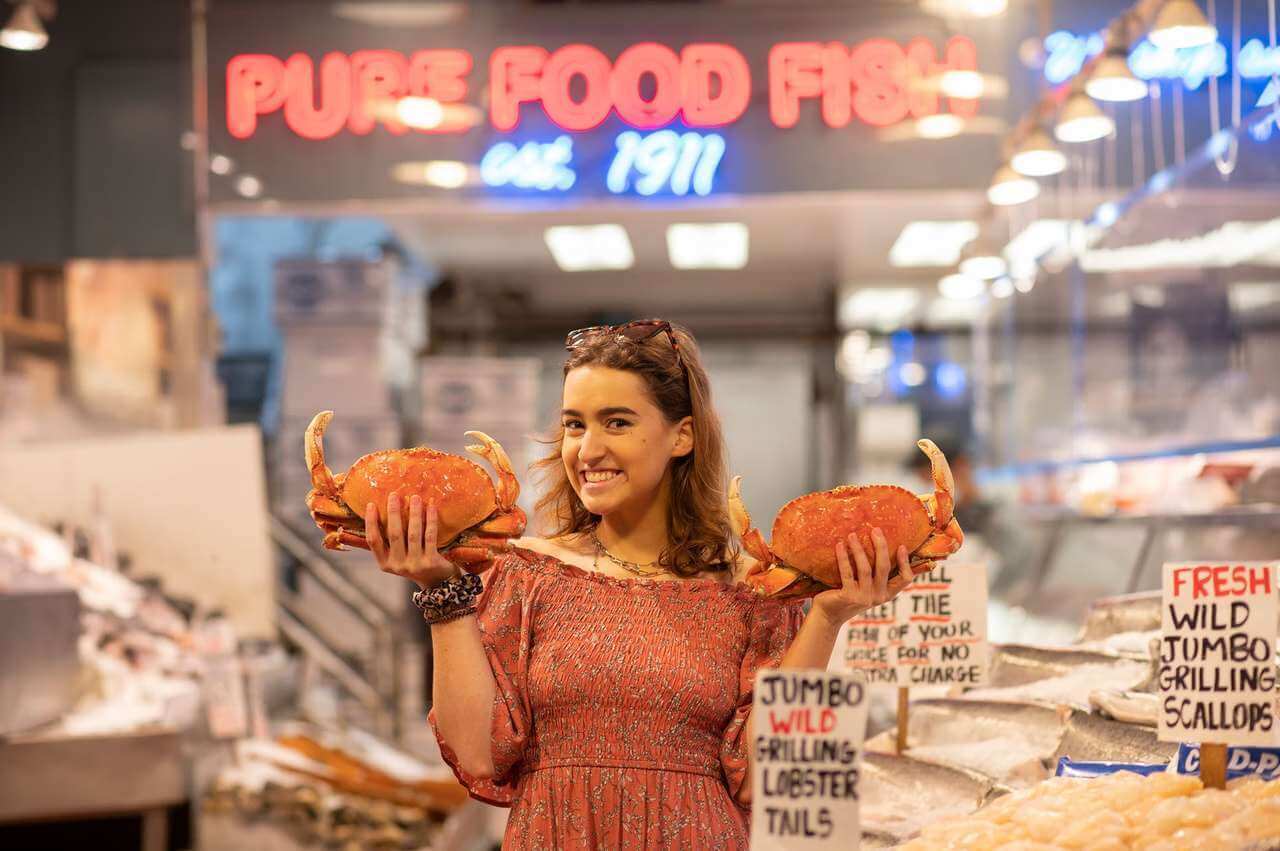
700	535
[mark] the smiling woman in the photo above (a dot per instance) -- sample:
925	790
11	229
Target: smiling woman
600	684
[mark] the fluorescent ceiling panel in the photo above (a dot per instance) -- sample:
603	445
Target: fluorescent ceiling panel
928	243
590	248
721	245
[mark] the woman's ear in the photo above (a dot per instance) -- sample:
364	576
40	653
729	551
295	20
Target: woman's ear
684	438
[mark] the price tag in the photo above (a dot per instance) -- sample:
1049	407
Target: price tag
808	728
933	633
1217	654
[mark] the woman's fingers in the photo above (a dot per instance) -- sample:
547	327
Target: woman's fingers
884	565
905	574
863	573
395	530
846	569
414	548
373	534
433	527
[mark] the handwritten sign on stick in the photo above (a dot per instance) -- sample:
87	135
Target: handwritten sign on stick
1217	653
945	613
933	633
808	728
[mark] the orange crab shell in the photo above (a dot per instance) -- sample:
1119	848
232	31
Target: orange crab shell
807	529
463	492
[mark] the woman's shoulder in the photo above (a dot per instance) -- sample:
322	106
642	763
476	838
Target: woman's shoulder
566	550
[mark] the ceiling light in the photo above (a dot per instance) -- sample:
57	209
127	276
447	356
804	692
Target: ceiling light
1082	121
1038	156
962	84
1038	239
1008	188
445	174
930	243
1024	284
986	8
941	126
983	263
1180	23
581	249
1002	287
960	287
965	8
1231	244
420	113
882	308
249	186
24	30
1112	80
399	14
218	164
707	246
953	311
912	373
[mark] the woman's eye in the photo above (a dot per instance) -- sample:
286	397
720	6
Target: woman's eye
615	422
572	425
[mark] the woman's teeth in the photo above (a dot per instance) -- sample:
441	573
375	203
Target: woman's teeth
602	476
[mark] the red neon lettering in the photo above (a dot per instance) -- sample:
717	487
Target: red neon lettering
699	64
632	66
878	70
576	60
922	66
254	87
439	74
378	79
962	55
795	72
513	80
300	111
837	96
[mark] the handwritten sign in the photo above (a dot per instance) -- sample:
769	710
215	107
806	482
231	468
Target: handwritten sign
933	633
1217	654
808	728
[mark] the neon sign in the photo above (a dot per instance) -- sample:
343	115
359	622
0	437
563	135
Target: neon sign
1067	53
679	161
530	166
578	87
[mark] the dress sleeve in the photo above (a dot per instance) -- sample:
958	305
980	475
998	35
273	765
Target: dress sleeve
773	627
503	614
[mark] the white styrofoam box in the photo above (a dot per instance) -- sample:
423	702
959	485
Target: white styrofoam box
483	393
333	368
334	291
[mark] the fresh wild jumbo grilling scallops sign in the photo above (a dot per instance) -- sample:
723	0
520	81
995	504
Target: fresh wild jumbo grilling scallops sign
1217	654
807	729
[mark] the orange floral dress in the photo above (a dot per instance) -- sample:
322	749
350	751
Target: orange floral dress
621	705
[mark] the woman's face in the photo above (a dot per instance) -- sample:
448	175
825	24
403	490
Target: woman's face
617	444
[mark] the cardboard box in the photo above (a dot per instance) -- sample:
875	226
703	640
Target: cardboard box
485	394
333	368
345	440
339	291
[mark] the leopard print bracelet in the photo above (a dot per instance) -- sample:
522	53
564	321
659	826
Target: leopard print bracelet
449	600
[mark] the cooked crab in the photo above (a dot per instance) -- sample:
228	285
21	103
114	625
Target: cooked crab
801	560
475	518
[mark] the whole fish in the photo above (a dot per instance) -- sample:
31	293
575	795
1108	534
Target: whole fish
1089	737
1126	613
900	795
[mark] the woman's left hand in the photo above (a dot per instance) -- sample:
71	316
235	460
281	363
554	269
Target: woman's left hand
865	584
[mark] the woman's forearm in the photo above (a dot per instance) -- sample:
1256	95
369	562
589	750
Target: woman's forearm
811	649
463	689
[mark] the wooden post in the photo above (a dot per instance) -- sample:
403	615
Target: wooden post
1213	766
902	719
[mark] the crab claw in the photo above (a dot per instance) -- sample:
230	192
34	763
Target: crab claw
313	451
943	503
752	540
508	489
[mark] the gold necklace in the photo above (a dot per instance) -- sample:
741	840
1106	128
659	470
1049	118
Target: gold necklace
629	566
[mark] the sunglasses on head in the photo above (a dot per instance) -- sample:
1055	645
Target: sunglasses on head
636	331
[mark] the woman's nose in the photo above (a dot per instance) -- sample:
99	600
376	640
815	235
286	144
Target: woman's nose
591	447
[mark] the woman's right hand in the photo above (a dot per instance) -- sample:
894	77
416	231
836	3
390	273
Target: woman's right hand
411	552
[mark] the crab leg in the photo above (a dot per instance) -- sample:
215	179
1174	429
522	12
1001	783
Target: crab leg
491	451
944	486
313	451
752	540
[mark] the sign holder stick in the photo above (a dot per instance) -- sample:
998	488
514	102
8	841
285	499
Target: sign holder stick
1213	765
903	704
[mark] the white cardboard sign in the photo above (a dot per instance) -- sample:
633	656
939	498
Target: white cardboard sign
808	728
1217	653
933	633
